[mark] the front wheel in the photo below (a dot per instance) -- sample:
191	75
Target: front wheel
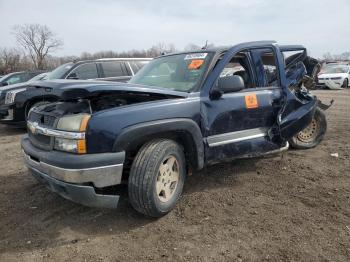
345	83
313	134
157	176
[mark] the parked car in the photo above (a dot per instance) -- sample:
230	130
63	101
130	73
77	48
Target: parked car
17	77
16	102
179	113
8	114
339	74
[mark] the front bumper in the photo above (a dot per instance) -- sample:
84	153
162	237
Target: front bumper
11	115
337	81
75	177
6	113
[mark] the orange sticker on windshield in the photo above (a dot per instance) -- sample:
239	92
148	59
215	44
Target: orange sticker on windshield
251	101
195	64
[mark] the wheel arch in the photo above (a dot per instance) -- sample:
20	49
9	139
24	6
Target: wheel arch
184	131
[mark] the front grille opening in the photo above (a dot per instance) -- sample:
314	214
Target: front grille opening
43	120
34	158
40	141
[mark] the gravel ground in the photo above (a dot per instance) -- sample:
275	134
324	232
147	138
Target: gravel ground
293	207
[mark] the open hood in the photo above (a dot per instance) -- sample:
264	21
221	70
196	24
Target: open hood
73	89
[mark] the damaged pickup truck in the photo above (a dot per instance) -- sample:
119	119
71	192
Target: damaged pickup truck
179	113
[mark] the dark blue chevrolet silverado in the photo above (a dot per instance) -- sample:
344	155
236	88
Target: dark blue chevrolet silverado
179	113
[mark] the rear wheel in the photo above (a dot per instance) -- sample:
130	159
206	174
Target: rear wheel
345	83
157	176
313	134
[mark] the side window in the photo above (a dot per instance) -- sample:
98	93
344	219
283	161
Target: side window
113	69
239	66
86	71
266	67
29	76
14	79
137	65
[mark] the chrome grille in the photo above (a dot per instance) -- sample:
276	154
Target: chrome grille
40	140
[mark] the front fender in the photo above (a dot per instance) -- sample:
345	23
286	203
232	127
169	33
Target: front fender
190	134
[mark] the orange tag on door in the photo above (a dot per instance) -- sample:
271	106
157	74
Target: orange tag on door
195	64
251	101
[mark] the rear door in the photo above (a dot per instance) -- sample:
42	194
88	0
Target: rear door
86	71
114	71
136	65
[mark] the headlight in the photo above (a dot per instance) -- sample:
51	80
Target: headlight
72	123
11	95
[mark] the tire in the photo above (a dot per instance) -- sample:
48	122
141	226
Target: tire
147	192
313	134
345	83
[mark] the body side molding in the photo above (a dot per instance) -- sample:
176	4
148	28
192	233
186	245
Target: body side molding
233	137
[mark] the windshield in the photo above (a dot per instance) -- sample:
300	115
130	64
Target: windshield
181	72
6	77
59	72
336	69
3	78
14	78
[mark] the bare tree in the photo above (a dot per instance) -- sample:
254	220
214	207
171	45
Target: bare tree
191	47
38	40
10	60
160	48
345	56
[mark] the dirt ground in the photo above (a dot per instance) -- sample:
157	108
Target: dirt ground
294	207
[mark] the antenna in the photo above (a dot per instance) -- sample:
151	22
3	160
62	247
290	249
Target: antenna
206	45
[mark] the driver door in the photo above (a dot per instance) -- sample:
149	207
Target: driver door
236	124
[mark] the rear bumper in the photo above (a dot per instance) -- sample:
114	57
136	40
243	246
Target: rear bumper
75	177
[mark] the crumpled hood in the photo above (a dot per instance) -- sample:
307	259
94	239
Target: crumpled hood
75	89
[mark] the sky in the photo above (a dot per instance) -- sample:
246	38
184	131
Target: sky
121	25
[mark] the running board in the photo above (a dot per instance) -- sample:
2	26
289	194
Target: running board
269	153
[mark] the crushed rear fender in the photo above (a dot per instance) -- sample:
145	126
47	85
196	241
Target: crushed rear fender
298	119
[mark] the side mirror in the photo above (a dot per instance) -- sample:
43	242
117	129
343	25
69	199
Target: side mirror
5	84
229	84
73	76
